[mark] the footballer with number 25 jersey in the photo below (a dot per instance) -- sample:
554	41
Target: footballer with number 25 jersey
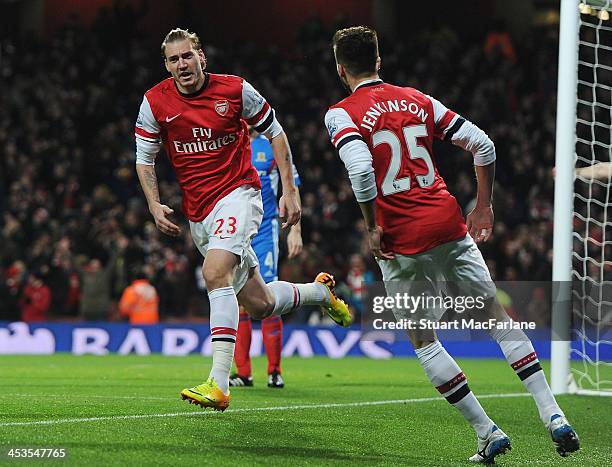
421	213
384	135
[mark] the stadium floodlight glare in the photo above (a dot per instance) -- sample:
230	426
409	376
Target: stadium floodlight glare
582	204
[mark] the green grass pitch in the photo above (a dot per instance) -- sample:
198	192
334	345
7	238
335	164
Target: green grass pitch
135	416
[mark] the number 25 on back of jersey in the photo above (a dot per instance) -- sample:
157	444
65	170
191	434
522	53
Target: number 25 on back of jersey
391	184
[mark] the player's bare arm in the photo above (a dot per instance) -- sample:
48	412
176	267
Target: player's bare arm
148	143
357	158
288	205
294	238
160	212
375	232
358	161
466	135
258	113
480	220
295	243
601	171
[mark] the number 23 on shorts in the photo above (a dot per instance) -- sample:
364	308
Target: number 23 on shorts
225	226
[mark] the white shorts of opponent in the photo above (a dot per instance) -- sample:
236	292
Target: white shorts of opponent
231	226
451	269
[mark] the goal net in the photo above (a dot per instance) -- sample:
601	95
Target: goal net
590	352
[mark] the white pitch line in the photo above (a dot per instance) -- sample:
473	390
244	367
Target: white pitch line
254	409
85	396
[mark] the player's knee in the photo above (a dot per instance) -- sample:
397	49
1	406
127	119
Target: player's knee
262	308
259	306
418	344
421	338
216	276
267	307
495	310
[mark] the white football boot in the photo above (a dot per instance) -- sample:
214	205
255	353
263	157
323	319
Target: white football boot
493	445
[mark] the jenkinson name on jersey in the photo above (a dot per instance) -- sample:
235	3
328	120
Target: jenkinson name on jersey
398	124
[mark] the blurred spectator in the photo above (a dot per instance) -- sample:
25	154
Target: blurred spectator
96	280
538	309
11	287
498	40
139	301
95	294
73	297
35	299
173	283
356	279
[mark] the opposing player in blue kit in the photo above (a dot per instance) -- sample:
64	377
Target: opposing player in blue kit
265	244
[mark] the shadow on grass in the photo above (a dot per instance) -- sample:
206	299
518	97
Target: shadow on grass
266	454
322	453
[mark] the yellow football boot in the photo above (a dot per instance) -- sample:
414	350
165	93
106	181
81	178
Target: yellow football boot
338	311
207	394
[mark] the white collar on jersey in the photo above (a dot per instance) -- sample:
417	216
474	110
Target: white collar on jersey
367	82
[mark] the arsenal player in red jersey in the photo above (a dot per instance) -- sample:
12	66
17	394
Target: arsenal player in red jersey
201	119
384	135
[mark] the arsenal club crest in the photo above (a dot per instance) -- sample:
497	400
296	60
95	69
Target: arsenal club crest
221	107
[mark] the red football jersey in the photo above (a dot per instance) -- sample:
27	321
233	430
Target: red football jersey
414	206
205	136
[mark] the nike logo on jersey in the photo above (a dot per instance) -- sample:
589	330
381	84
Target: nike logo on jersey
169	119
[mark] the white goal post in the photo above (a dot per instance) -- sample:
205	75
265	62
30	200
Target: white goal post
582	274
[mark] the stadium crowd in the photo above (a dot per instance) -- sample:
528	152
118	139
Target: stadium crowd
74	226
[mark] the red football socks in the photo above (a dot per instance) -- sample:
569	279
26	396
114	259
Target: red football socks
243	345
272	330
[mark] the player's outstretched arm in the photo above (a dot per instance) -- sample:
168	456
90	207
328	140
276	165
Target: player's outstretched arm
601	171
288	205
160	212
480	220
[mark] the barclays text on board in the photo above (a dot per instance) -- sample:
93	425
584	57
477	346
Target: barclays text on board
100	338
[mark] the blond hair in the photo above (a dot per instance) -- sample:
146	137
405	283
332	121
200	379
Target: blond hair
179	34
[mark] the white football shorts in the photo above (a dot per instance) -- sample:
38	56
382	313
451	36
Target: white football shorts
231	226
451	269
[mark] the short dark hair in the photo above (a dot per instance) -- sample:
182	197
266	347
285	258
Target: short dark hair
138	272
356	48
